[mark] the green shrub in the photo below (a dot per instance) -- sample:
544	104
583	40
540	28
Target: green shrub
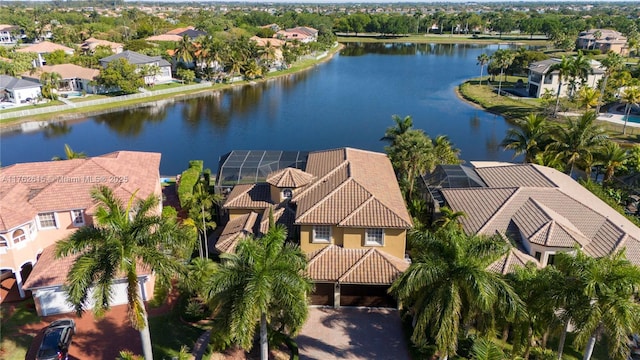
197	164
169	212
188	181
606	196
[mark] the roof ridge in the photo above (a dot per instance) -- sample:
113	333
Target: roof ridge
320	180
499	210
319	254
230	201
622	240
366	255
356	210
326	198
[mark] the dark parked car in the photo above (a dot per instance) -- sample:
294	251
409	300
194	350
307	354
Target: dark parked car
56	340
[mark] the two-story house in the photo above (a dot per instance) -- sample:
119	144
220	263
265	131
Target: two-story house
7	34
346	211
42	49
140	60
540	210
542	78
603	39
44	202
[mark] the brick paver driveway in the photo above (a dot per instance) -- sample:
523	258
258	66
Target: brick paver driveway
352	333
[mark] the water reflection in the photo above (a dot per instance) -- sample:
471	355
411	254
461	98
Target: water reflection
360	49
54	130
131	122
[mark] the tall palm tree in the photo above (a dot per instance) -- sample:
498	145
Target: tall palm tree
529	137
564	73
263	283
608	286
70	154
613	158
504	58
402	125
448	281
447	217
411	154
577	139
444	152
579	71
200	205
185	50
123	237
630	96
612	63
483	59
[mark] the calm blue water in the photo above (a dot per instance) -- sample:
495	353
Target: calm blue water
347	101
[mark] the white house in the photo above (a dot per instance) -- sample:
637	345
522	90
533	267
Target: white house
6	34
17	90
140	60
44	48
73	78
541	78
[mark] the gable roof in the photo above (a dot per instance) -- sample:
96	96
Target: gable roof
13	83
234	231
543	66
136	58
67	184
66	71
289	178
355	266
92	43
45	47
546	207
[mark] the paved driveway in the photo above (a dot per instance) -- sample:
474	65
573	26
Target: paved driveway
352	333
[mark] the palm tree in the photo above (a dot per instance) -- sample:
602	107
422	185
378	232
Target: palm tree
70	154
483	59
200	206
612	63
564	72
185	50
447	217
577	139
504	58
411	154
50	81
485	349
630	96
607	286
444	152
448	281
263	283
579	70
613	157
529	137
588	97
122	238
401	127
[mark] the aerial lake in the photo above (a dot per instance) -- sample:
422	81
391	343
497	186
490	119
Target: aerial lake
347	101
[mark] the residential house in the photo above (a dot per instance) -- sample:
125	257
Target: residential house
7	34
274	59
140	60
346	211
43	48
90	45
543	79
44	202
603	39
178	34
73	78
18	91
300	33
539	209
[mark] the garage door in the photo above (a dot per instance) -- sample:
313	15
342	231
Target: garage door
323	294
54	300
366	295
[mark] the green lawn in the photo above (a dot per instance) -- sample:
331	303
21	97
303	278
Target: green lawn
13	345
166	86
169	333
87	98
27	107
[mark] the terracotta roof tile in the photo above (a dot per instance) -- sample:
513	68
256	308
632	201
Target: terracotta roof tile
513	176
249	196
289	178
234	231
354	266
45	47
507	263
478	204
66	71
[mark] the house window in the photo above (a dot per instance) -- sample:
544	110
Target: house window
538	255
3	242
287	193
548	79
47	220
19	236
322	234
374	237
78	217
551	259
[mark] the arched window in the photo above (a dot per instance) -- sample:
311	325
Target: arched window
18	236
287	193
3	242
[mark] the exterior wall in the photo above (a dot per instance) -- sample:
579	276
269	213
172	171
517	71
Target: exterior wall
21	95
15	255
354	238
276	194
544	251
6	38
550	81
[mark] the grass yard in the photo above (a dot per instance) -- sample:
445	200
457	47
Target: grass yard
15	346
27	107
169	333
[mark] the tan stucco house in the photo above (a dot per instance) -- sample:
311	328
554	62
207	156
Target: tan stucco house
604	40
44	202
346	211
538	209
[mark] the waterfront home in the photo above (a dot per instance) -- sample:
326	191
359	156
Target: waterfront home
7	34
140	60
44	202
540	210
89	46
43	48
73	78
300	33
178	34
19	91
273	57
345	210
604	40
541	79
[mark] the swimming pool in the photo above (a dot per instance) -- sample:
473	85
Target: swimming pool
633	119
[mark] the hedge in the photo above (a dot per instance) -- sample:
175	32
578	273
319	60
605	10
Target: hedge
188	181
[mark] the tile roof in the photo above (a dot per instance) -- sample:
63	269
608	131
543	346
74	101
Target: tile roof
13	83
249	196
264	41
234	231
355	266
563	215
45	47
49	271
289	178
92	43
5	27
65	185
135	58
513	259
164	37
66	71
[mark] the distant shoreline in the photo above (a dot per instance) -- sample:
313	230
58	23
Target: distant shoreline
442	39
